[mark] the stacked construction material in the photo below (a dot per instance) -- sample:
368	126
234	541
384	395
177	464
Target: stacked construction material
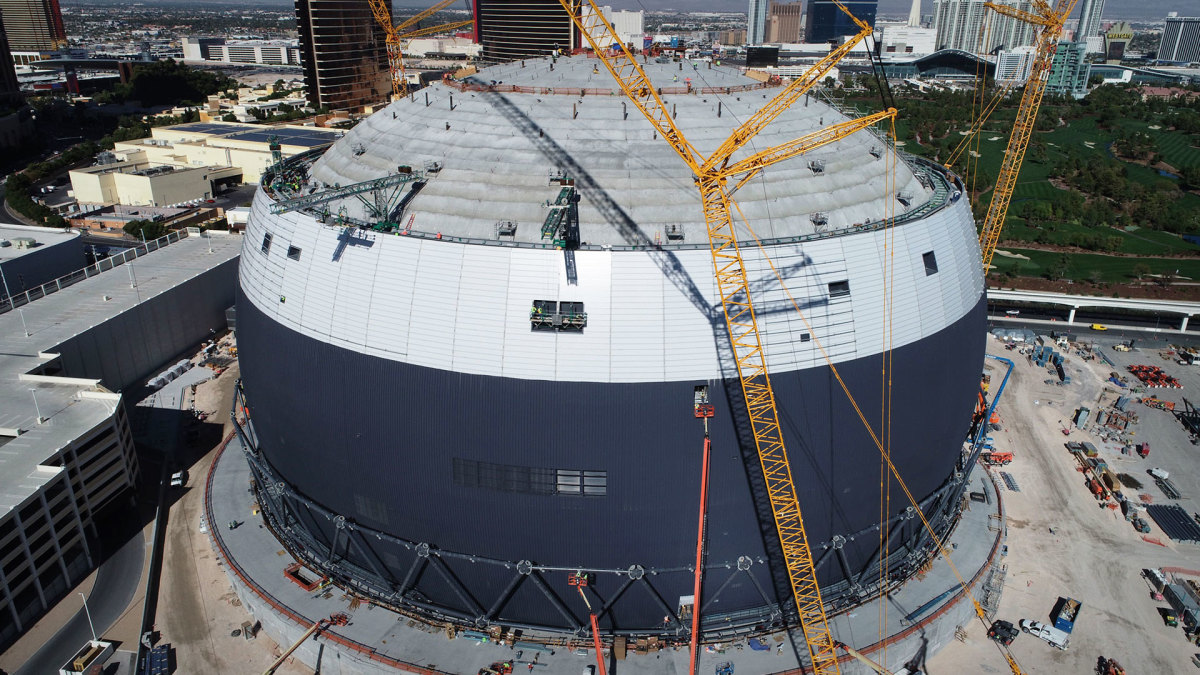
1154	377
1159	403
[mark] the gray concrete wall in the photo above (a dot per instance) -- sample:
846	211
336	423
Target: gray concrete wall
134	345
43	264
313	653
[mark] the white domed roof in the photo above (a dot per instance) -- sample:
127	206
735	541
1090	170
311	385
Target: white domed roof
499	143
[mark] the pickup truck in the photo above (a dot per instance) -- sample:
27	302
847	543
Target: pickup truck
1050	634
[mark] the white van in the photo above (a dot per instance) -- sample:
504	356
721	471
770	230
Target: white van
1054	636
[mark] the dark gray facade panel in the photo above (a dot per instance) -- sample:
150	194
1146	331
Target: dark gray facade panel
42	265
128	348
376	441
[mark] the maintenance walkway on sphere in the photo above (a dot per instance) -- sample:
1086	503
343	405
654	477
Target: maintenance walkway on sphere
377	640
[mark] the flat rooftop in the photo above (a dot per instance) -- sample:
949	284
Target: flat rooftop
72	406
45	236
216	132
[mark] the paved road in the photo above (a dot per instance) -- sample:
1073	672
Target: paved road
7	218
116	582
1115	333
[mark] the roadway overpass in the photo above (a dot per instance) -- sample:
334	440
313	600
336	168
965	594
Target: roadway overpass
1186	310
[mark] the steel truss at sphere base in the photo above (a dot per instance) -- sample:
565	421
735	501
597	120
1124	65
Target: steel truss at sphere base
349	553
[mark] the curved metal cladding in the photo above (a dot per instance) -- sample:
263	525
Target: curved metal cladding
385	444
435	450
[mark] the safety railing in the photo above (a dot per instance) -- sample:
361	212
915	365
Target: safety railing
465	85
136	251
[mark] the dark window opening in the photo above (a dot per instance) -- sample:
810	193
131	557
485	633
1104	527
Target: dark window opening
266	245
503	477
587	483
930	263
293	253
529	479
805	337
839	288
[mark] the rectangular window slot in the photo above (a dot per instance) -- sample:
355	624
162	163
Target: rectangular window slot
838	289
266	245
930	263
554	315
805	337
293	253
504	477
591	483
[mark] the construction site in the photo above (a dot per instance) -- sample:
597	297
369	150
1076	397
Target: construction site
607	362
517	267
567	296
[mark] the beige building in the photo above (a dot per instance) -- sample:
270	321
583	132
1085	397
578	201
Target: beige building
785	22
223	144
136	182
733	37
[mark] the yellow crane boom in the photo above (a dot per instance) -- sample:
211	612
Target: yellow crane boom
790	94
729	269
1049	22
396	35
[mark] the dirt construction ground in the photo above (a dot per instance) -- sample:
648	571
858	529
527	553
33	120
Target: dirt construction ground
197	608
1062	542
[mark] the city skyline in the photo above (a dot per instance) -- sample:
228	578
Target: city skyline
1146	10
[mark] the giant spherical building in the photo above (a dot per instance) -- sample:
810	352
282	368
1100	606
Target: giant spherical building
452	415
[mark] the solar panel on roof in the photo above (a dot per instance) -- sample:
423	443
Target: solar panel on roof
287	136
209	128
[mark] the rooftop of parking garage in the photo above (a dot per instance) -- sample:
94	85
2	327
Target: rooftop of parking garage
41	413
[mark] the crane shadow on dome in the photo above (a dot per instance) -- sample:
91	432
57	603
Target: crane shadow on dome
673	269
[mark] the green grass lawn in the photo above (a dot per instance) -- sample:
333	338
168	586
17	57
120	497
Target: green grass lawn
1138	242
1178	149
1085	138
1153	242
1081	266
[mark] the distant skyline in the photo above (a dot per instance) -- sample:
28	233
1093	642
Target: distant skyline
1143	10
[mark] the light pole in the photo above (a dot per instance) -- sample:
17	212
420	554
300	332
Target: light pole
36	407
89	617
9	298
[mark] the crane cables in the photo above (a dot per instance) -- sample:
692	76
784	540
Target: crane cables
885	407
876	438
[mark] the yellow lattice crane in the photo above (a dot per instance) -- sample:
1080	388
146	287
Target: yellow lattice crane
398	34
712	174
1049	23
